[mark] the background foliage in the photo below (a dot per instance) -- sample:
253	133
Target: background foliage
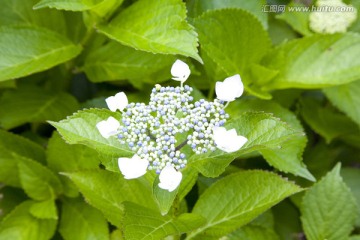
298	176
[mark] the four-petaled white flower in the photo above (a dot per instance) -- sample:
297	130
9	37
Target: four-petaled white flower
230	88
169	178
180	71
119	101
108	127
133	167
228	141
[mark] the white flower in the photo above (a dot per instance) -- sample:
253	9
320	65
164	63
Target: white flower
108	127
133	167
119	101
230	88
180	71
169	178
328	18
228	141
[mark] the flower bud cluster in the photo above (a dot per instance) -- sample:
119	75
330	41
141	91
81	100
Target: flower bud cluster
170	121
331	16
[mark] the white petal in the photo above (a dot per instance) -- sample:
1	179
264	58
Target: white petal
108	127
219	135
228	141
133	167
169	178
111	103
239	142
119	101
122	99
180	71
230	88
235	84
232	133
222	92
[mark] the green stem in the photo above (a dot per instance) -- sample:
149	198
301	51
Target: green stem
175	213
211	92
176	207
88	35
181	145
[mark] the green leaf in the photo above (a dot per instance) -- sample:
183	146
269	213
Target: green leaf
351	177
198	7
252	104
37	49
157	26
347	98
253	233
38	181
36	105
106	8
226	37
163	198
80	128
145	224
298	20
20	146
236	199
10	198
188	181
316	61
76	29
20	12
289	157
107	190
12	148
7	84
114	62
355	27
78	157
116	235
321	157
82	222
21	225
261	75
326	121
279	31
262	228
329	209
44	210
70	5
265	220
262	130
286	224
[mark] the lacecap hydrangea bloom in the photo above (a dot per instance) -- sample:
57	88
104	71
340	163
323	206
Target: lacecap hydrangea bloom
157	132
332	16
